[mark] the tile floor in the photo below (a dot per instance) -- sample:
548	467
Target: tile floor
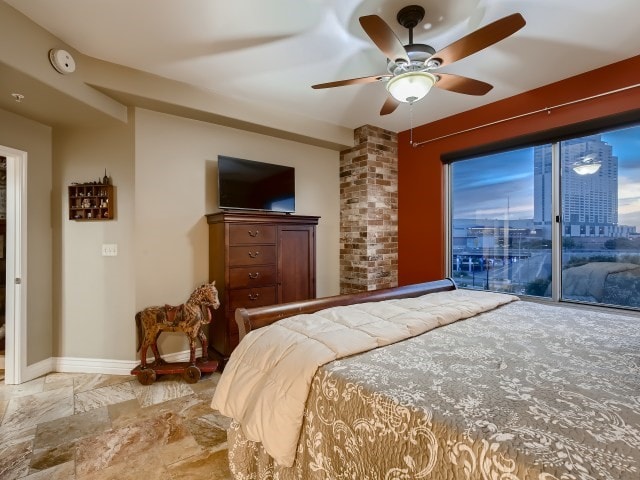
91	426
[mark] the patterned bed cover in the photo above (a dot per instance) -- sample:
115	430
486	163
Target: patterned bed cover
527	391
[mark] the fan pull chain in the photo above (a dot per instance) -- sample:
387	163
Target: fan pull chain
411	123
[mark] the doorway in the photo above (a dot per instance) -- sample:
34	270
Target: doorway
3	263
13	242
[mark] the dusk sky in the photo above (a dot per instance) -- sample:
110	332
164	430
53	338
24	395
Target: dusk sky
483	189
626	146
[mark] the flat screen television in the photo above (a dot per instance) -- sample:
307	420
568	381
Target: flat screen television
250	185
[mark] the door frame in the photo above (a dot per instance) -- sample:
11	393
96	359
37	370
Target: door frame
16	266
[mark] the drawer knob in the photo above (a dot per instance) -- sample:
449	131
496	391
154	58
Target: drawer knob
253	276
253	296
254	254
254	233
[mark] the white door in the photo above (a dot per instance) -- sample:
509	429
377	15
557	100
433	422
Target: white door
15	360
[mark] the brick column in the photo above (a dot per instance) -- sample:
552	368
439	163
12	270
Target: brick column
369	211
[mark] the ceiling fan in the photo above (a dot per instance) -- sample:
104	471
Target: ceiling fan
413	68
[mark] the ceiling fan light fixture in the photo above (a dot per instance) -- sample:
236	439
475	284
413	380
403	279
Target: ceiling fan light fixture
410	87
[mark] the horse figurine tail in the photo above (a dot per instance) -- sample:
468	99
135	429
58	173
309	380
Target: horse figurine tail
139	330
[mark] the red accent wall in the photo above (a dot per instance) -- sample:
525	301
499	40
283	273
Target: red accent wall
421	235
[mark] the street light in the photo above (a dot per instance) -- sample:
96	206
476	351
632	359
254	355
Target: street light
487	269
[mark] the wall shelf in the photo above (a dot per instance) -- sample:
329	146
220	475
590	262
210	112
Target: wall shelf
91	202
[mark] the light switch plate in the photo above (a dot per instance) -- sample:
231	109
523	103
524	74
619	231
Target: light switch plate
109	249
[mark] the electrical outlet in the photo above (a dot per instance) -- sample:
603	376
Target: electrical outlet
109	249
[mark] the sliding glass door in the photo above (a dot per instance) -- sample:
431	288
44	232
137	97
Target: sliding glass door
600	183
496	211
507	209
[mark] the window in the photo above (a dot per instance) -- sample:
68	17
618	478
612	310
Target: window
501	222
503	206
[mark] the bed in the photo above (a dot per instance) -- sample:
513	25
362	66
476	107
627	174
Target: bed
480	386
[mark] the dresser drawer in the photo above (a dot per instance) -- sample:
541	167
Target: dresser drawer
251	234
252	255
244	277
251	297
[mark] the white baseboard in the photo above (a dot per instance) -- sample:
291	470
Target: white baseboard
92	365
37	370
109	367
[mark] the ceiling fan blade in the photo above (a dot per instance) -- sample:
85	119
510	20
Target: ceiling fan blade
458	84
351	81
481	38
384	38
389	106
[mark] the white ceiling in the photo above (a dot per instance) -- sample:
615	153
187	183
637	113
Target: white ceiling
271	52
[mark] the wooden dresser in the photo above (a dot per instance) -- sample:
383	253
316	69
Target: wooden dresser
258	259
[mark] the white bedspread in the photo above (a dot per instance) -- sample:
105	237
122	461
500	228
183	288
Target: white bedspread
265	384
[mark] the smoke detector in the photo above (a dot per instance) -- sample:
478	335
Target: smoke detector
62	61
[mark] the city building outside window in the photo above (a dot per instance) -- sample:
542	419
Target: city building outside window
505	215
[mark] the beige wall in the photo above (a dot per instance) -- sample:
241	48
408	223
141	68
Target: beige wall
163	168
35	139
81	304
175	187
94	296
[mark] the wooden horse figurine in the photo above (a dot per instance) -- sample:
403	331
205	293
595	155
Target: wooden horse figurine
188	318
